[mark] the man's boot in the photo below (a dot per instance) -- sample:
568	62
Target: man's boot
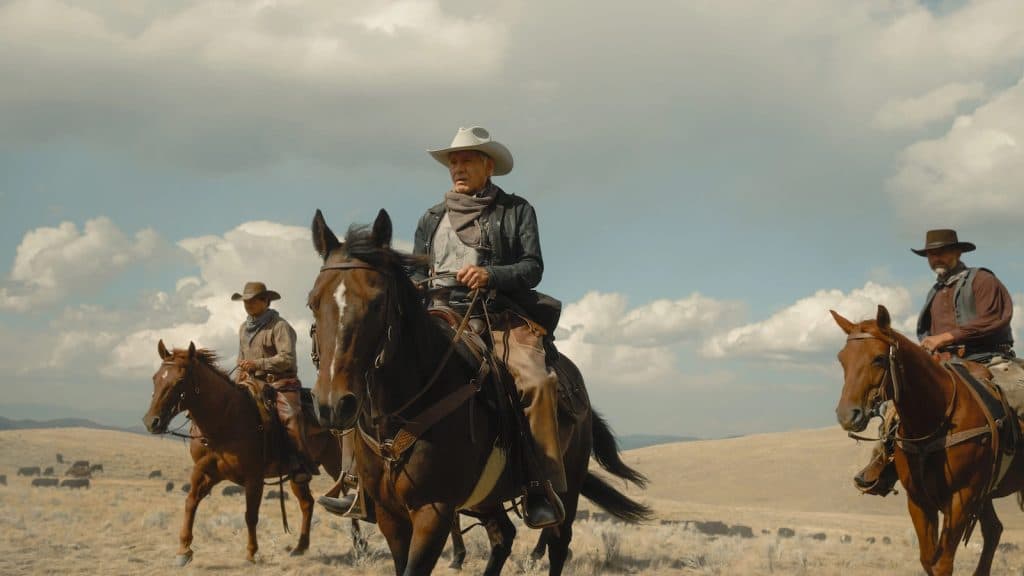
879	476
354	505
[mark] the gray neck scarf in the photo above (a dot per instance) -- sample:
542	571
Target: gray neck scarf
255	324
465	210
953	276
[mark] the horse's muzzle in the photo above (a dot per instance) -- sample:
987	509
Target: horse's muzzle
852	418
155	424
341	416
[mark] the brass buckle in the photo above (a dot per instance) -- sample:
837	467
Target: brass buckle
270	378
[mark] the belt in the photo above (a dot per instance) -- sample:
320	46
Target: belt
271	377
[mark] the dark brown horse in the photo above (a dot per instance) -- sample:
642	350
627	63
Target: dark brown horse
227	442
380	349
944	457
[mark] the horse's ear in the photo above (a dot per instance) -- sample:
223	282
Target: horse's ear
162	350
883	319
382	229
324	239
843	323
191	351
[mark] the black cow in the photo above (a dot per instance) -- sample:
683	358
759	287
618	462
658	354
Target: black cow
3	479
186	487
169	487
274	495
60	458
75	483
28	471
48	471
156	474
96	468
45	481
80	469
232	491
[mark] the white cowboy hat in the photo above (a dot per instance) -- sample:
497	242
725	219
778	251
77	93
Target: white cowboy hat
479	139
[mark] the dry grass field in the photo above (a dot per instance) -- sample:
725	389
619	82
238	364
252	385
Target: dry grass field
127	524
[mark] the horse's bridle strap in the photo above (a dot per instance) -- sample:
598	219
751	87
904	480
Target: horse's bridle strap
347	266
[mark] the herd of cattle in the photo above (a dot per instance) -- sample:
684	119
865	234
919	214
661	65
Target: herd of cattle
81	471
77	476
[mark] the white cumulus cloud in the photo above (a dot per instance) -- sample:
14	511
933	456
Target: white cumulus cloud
806	328
973	173
52	262
920	111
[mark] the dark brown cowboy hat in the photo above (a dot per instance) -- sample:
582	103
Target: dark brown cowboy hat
936	239
254	290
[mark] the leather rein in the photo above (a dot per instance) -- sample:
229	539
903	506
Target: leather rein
392	449
923	444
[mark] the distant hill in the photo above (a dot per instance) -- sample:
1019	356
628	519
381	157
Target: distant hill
11	424
632	441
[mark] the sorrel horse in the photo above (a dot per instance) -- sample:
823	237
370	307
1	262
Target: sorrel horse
226	440
944	457
381	349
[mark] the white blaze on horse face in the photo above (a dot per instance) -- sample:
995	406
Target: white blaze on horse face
339	298
164	375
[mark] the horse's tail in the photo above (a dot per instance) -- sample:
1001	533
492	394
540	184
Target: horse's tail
614	502
606	452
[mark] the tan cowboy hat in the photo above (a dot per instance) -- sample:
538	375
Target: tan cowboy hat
254	289
479	139
936	239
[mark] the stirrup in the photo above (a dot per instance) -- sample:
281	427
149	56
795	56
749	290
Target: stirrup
545	490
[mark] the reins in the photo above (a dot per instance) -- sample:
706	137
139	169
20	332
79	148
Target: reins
391	450
931	442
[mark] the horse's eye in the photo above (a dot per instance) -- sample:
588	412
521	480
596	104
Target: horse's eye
881	361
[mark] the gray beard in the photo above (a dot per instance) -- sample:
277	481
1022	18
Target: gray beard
940	272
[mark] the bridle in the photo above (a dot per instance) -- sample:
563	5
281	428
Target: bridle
891	368
894	367
392	449
178	408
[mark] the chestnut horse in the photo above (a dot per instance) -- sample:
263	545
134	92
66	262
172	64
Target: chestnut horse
381	350
227	443
944	457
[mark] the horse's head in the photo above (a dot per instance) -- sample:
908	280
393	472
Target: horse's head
170	387
357	302
866	359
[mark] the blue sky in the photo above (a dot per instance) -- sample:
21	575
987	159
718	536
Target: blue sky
710	178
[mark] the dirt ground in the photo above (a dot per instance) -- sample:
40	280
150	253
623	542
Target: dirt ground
126	523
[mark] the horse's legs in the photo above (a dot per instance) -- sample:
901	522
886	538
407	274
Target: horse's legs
305	498
541	547
201	485
398	532
253	496
458	545
991	530
954	522
359	544
431	524
926	524
501	533
559	537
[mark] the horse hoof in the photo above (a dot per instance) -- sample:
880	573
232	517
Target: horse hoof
182	560
455	565
297	552
251	558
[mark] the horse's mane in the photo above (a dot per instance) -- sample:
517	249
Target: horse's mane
360	243
208	358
